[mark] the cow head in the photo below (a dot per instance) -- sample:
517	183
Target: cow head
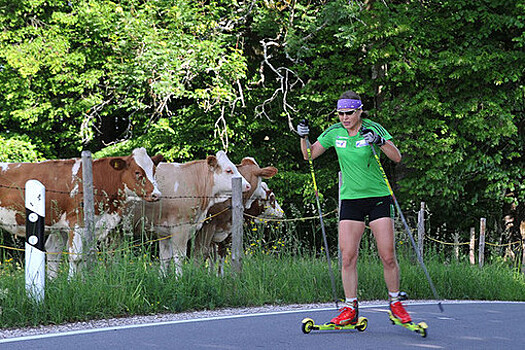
223	172
265	205
270	204
138	178
254	174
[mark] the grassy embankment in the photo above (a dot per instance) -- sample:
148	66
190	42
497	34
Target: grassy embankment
128	282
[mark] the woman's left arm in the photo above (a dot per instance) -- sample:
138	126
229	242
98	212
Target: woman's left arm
391	151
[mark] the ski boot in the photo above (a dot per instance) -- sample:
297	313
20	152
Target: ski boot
399	316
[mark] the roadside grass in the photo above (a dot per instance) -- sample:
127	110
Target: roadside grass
129	282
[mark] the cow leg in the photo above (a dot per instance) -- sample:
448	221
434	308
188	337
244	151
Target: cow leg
54	245
179	242
165	255
75	250
220	240
203	243
200	243
222	251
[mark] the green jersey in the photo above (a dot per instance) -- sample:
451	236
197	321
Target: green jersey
361	175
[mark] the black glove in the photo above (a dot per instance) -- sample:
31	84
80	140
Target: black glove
371	137
302	128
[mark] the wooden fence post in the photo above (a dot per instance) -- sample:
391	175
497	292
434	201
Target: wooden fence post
472	254
456	245
421	228
88	249
482	225
237	223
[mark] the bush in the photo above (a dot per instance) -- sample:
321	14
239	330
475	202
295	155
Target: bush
18	148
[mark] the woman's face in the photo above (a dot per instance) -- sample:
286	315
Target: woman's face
351	118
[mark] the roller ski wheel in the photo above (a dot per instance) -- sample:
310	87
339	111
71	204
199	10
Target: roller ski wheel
308	325
420	328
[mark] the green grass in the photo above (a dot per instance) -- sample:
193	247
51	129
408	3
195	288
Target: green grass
279	267
129	283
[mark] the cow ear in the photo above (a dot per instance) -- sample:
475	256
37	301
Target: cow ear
212	162
118	163
267	172
248	161
157	159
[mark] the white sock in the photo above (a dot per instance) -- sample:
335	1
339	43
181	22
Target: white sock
393	296
350	302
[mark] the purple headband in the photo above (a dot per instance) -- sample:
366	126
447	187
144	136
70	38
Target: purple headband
349	104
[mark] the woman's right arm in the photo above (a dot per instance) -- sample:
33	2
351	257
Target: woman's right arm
315	148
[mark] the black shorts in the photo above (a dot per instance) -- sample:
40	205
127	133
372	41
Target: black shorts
374	208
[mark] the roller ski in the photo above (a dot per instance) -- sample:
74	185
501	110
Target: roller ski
347	319
309	325
399	316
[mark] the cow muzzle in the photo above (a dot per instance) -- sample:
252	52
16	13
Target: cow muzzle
154	197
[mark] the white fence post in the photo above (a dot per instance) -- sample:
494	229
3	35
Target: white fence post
481	257
35	256
472	246
88	208
237	223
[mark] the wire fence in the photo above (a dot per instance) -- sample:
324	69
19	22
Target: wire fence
516	245
278	221
455	244
106	195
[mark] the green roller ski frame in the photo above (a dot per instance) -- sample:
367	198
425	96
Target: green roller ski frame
420	328
308	325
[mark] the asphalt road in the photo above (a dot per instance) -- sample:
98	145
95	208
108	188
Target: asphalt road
499	325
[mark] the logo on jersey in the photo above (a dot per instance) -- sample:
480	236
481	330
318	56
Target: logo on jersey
340	143
361	143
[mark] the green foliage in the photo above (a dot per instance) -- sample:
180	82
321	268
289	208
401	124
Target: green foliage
187	79
90	72
18	148
446	78
453	96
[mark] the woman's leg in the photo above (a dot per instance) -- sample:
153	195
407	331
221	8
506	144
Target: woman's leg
383	230
350	233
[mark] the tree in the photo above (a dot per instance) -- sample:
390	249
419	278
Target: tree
88	73
189	78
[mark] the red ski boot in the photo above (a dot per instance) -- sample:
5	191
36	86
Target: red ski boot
348	315
399	312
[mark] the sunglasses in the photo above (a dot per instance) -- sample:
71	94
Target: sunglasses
349	113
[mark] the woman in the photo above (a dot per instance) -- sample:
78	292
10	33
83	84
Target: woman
364	193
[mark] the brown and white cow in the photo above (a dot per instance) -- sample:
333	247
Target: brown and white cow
116	181
218	228
188	190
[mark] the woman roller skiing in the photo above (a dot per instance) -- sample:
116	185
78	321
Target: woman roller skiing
364	193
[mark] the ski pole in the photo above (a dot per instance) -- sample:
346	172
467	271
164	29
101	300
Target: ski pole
310	161
418	254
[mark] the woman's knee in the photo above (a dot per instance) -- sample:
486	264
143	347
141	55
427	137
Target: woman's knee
389	261
349	259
